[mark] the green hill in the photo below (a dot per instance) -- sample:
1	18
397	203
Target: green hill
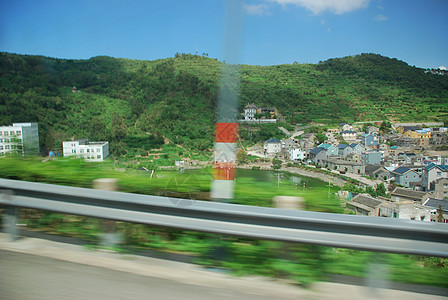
133	104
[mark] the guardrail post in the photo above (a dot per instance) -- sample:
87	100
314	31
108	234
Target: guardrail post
10	218
109	237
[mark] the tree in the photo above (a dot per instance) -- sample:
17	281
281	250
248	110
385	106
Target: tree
381	190
321	138
241	157
385	127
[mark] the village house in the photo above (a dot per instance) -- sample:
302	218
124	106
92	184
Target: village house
344	165
330	149
404	176
272	147
403	128
369	139
348	135
354	157
249	112
345	127
90	151
402	194
441	188
357	148
431	173
297	154
371	158
377	171
366	205
267	114
317	155
344	150
409	210
373	129
438	139
435	205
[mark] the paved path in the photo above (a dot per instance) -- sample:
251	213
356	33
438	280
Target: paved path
41	269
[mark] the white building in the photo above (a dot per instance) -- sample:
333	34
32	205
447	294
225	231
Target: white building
21	138
249	112
272	147
297	154
91	151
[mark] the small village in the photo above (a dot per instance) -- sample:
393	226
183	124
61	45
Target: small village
409	160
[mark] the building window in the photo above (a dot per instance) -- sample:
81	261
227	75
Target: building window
1	147
6	133
19	132
11	132
98	156
6	147
98	150
88	150
439	173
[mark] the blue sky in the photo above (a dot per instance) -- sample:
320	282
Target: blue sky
273	31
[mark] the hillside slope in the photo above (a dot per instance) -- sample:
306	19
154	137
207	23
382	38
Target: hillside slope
135	103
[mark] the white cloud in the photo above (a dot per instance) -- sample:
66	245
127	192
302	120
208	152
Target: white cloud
380	18
334	6
256	9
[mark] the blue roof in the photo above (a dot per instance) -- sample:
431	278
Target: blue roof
316	150
353	145
430	166
273	141
343	146
401	170
440	167
348	131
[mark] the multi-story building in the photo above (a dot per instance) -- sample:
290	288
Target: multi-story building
431	173
20	138
272	147
91	151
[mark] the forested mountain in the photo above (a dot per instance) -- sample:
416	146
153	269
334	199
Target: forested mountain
135	103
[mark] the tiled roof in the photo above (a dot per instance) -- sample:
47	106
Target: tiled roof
408	193
370	169
401	170
316	150
436	202
271	141
348	131
367	200
343	146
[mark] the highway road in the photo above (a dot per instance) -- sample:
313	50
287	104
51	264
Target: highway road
26	277
37	269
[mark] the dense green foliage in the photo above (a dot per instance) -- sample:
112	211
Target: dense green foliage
133	104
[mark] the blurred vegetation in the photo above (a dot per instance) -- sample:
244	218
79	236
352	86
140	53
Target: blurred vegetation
301	264
134	104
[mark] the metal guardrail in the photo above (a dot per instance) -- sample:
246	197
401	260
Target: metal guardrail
336	230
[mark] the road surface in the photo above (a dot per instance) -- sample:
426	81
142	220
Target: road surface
36	269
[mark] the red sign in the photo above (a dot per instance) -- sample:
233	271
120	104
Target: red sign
226	132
